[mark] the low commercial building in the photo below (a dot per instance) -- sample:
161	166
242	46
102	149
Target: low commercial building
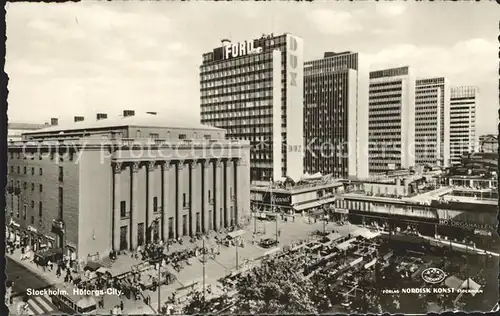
15	130
304	196
116	184
441	214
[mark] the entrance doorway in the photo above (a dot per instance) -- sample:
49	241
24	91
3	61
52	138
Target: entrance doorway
198	223
184	225
170	228
140	234
210	220
123	238
156	231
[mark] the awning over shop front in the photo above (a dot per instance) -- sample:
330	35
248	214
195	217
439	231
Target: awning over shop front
305	206
312	204
346	244
356	261
236	233
328	200
366	233
334	236
371	263
93	266
102	270
341	210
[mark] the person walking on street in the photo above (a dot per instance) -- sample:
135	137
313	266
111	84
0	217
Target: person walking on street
121	305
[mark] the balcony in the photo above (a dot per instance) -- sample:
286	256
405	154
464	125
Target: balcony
10	190
57	226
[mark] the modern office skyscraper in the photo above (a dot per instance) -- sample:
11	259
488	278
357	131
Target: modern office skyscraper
463	136
432	121
331	116
254	90
391	119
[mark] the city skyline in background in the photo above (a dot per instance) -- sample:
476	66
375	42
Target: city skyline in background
66	60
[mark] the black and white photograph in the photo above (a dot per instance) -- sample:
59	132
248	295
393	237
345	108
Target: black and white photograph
271	157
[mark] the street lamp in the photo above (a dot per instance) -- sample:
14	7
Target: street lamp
236	244
204	260
276	218
160	260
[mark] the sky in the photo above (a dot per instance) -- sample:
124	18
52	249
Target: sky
77	59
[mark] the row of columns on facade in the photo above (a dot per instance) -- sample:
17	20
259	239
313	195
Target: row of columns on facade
168	166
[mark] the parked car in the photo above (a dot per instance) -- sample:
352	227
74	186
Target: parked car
268	243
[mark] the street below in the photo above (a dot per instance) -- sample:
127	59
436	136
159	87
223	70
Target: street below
23	278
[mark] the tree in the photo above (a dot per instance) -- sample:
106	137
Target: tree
275	287
196	305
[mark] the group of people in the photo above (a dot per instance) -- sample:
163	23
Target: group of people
117	309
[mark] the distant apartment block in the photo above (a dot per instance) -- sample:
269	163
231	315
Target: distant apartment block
391	119
463	137
331	116
432	124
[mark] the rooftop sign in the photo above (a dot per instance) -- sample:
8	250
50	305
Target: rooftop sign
240	49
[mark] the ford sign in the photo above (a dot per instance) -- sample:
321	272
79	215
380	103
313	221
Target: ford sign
433	275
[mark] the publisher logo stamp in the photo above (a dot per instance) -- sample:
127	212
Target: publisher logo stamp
433	275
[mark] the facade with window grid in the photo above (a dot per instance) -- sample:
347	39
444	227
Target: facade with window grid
331	115
391	120
432	123
89	195
258	97
463	136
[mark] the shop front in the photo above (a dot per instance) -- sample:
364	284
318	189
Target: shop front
33	238
271	202
424	225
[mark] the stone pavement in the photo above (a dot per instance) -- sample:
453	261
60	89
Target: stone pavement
225	263
300	229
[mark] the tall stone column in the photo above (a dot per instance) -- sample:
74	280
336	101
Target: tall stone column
117	169
150	193
180	191
167	185
218	197
206	201
135	206
194	197
239	189
227	172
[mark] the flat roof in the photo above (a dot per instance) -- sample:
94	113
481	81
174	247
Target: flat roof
25	126
471	200
297	189
146	120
